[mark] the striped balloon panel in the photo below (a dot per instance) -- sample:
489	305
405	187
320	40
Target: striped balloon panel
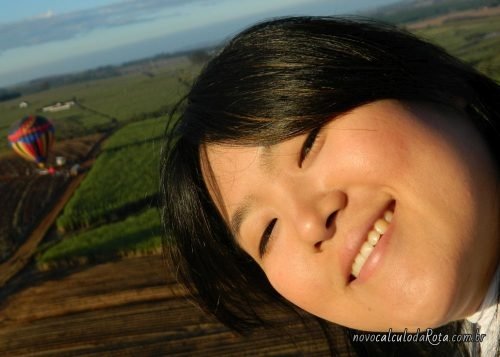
32	138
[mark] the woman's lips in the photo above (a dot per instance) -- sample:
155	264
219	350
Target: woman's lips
361	247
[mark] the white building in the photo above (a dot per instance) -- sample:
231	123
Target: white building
59	106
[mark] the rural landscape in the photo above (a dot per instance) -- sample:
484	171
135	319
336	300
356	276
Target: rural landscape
81	269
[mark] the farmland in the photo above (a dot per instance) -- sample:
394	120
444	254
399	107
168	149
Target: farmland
102	103
124	179
128	308
118	179
97	283
25	199
136	235
476	40
26	196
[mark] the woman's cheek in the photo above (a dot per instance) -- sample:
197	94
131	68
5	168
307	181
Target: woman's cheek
366	158
296	279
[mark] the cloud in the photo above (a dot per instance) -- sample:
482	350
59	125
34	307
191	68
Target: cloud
50	26
46	15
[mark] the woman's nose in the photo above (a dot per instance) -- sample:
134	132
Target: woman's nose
315	217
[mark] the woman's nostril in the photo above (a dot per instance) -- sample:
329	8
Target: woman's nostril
317	245
329	220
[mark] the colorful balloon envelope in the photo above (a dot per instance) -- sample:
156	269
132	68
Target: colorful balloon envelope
32	138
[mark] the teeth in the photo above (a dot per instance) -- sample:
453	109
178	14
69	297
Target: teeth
366	249
379	228
356	269
373	237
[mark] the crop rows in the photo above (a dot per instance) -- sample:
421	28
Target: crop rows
139	234
123	180
11	166
117	181
24	201
26	196
135	133
9	192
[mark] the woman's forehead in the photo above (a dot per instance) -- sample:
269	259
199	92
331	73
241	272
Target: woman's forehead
224	168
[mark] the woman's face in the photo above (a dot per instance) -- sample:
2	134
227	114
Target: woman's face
310	211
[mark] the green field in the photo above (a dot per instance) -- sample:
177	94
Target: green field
123	181
136	133
476	41
123	178
138	234
125	98
410	11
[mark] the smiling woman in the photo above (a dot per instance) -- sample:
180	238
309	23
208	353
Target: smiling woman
342	168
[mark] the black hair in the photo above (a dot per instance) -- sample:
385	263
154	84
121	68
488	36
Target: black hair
274	81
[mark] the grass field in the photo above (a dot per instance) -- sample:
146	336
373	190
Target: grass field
124	174
474	40
136	133
410	11
124	178
124	98
137	234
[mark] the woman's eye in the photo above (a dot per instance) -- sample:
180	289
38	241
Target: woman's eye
266	236
308	145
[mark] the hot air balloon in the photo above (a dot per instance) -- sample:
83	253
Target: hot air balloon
32	138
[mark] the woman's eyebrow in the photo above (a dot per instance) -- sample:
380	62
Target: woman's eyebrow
240	214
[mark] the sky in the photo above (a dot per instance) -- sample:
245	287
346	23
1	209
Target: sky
46	37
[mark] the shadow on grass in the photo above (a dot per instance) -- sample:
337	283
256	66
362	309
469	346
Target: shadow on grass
135	143
129	241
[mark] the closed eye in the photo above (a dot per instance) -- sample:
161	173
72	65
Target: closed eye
266	236
308	145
